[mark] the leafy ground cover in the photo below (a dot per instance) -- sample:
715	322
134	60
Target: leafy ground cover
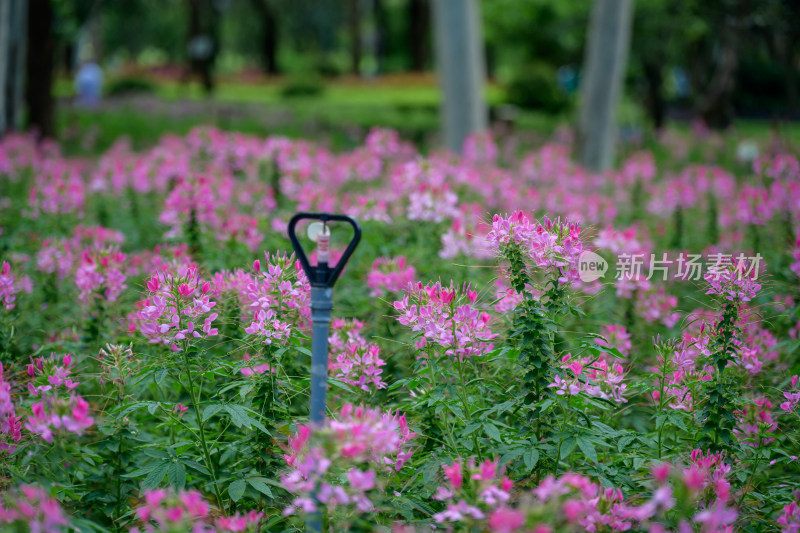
487	372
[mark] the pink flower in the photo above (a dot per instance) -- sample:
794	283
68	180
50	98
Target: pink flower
553	246
352	359
183	511
790	518
756	426
389	275
239	522
30	508
101	274
154	284
661	472
361	481
734	282
356	438
445	318
53	414
505	520
453	474
458	512
174	312
467	235
616	336
10	287
488	470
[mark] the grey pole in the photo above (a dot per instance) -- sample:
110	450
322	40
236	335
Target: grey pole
461	67
20	40
605	62
5	60
322	277
321	306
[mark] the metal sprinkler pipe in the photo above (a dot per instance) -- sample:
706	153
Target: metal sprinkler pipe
322	278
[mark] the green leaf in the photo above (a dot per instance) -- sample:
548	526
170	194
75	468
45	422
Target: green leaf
625	441
258	425
587	448
301	349
260	486
505	406
399	383
176	474
340	385
470	429
677	420
547	404
238	416
512	356
155	477
172	474
244	391
141	471
456	410
236	489
133	407
511	455
211	410
268	481
492	431
531	457
194	465
157	454
567	445
161	375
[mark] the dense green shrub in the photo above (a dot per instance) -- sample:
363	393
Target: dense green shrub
534	86
130	85
303	85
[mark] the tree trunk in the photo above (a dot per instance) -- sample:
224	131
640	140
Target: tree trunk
355	37
461	68
656	107
381	33
41	62
790	74
16	87
203	41
418	31
269	36
5	62
715	103
602	82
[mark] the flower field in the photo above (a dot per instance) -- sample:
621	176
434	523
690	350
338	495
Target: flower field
518	344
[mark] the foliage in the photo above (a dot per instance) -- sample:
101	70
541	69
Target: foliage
129	85
155	359
535	87
303	85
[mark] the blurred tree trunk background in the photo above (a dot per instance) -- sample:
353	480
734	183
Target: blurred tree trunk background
41	64
710	59
269	35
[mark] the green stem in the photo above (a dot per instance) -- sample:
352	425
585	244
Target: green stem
465	404
200	426
448	430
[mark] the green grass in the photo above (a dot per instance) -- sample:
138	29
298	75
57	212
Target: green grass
339	116
339	126
334	93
